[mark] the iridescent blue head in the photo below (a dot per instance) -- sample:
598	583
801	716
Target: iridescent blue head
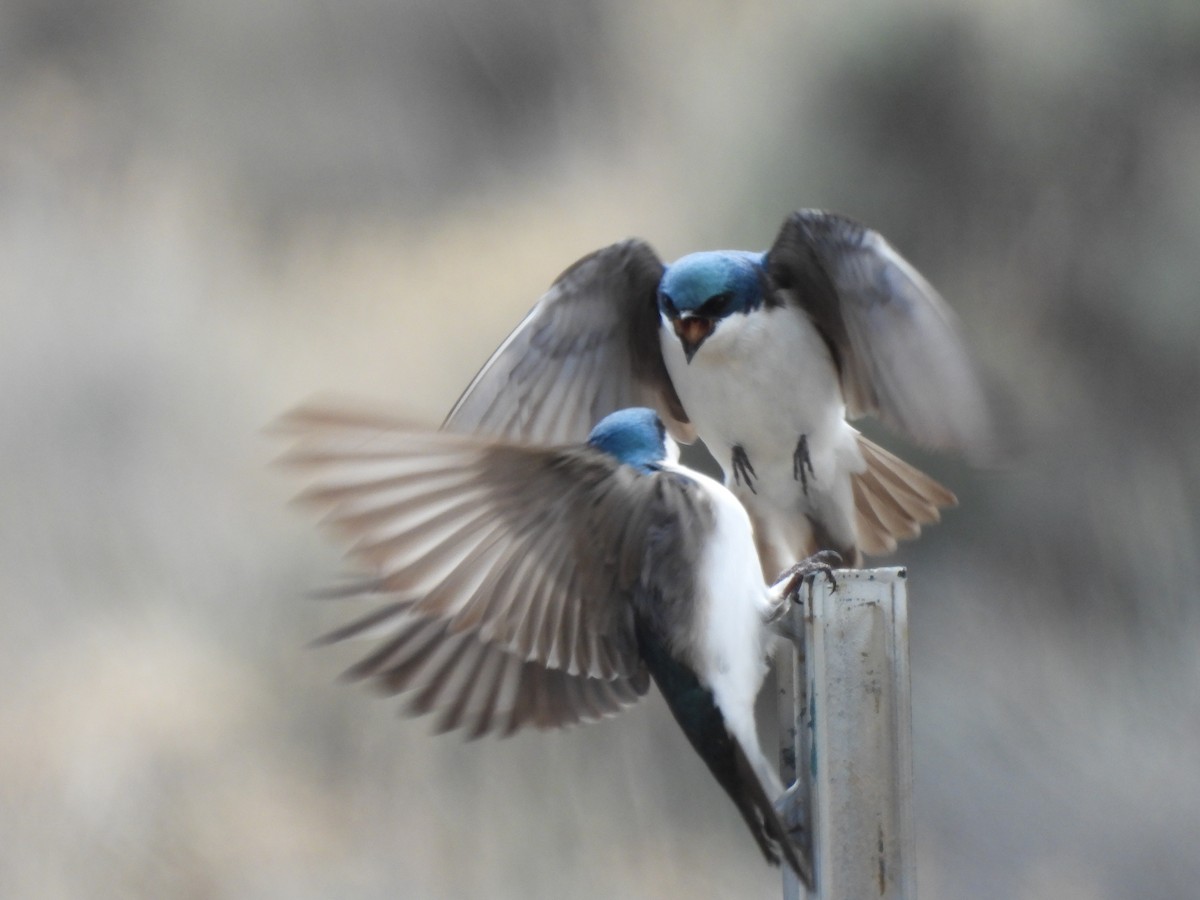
634	436
700	290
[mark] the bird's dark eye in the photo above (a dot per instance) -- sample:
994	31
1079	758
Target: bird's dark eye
665	304
715	306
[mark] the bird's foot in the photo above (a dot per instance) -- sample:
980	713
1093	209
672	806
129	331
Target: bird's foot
792	808
786	591
802	467
823	562
742	470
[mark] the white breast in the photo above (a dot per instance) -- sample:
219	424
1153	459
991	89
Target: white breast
761	380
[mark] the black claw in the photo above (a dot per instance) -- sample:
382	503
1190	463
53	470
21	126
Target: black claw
823	562
742	470
802	466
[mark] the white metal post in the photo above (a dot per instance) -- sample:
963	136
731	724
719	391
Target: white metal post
847	724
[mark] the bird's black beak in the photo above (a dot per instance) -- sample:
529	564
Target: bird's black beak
692	331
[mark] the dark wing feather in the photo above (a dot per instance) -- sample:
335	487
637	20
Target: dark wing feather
588	348
476	685
507	570
896	342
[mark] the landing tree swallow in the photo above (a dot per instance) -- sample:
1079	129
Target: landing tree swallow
763	356
528	585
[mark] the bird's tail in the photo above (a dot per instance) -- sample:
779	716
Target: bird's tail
748	794
892	499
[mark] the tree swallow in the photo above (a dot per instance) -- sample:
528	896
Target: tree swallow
525	585
763	356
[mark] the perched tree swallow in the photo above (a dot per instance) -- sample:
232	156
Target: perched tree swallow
763	355
527	585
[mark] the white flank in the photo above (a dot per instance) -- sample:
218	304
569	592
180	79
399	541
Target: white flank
733	604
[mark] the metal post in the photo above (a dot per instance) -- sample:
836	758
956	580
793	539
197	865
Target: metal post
848	723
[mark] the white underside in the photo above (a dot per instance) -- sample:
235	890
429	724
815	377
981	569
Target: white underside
760	381
730	647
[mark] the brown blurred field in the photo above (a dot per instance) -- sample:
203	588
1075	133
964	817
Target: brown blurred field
210	212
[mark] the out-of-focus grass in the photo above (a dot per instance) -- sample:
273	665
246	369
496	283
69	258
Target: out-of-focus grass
207	216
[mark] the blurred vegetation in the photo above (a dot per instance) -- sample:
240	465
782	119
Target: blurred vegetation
209	212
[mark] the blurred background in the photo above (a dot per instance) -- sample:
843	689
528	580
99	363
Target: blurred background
212	211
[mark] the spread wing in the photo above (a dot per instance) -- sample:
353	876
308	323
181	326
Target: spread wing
896	343
588	348
504	572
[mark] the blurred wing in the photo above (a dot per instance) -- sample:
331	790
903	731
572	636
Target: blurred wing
588	348
476	685
896	343
509	568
